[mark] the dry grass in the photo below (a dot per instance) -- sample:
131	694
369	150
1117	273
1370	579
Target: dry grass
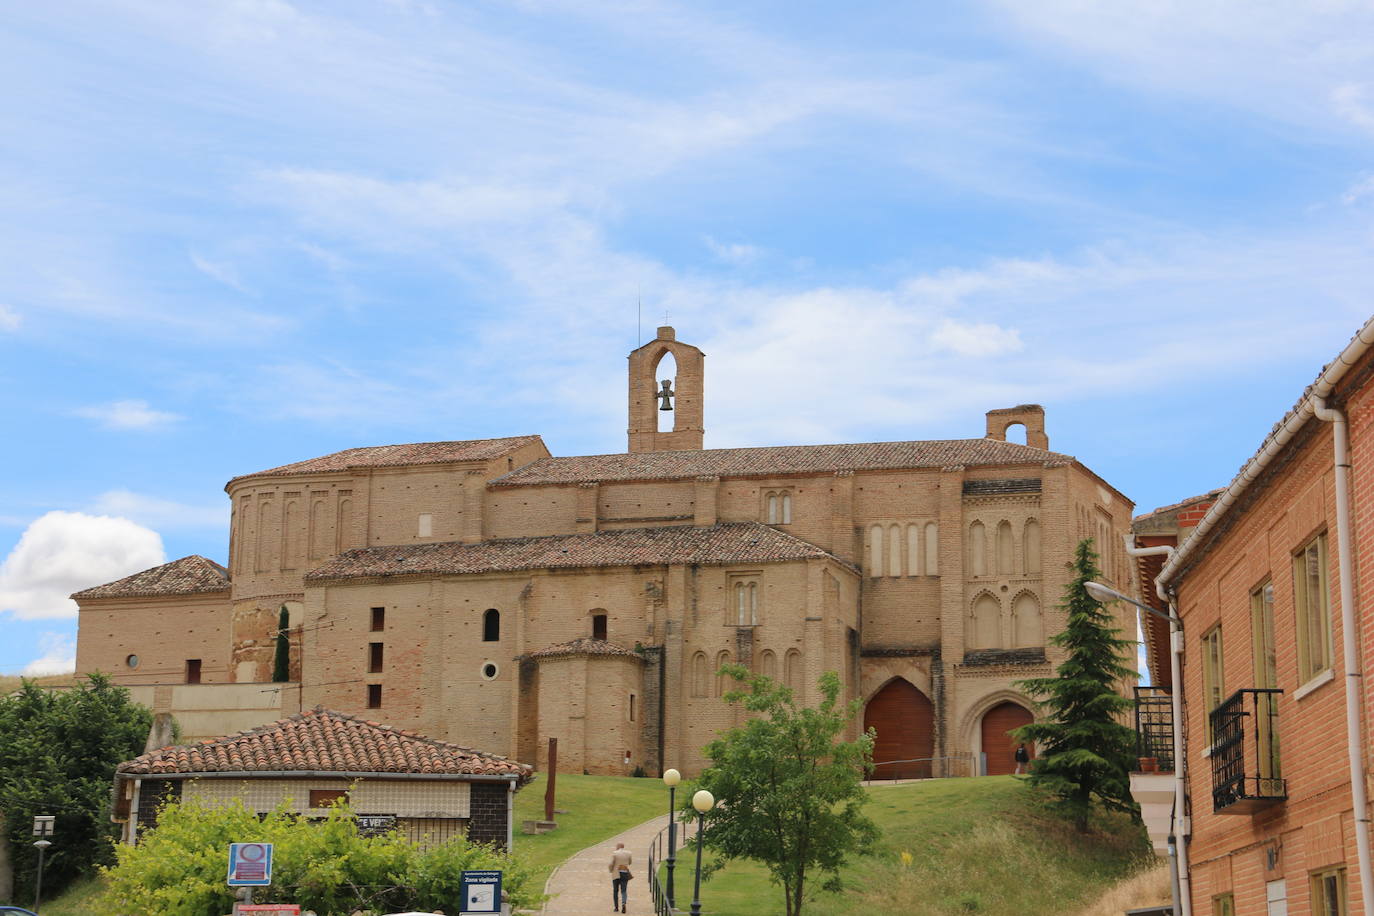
1146	888
10	682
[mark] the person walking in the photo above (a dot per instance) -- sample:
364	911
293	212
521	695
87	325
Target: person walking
1022	758
620	876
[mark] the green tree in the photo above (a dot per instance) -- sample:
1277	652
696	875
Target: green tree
1086	752
789	786
281	662
58	753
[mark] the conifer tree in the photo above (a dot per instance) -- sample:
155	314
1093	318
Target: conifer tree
1086	752
281	662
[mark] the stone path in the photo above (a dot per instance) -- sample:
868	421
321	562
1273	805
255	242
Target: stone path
581	886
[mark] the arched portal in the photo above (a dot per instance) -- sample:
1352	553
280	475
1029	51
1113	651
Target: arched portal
999	746
905	724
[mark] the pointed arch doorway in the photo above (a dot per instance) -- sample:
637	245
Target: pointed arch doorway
999	746
905	724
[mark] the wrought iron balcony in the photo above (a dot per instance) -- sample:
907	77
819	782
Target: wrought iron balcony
1246	776
1154	726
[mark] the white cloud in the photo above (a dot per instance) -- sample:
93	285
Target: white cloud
9	319
159	513
59	656
982	339
130	414
735	253
219	272
64	552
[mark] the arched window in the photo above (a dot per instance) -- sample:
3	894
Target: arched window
773	515
894	550
1030	546
932	549
787	508
265	559
753	592
491	625
768	664
722	659
792	673
977	549
1006	560
599	626
741	605
985	623
875	550
667	370
1029	625
699	675
319	529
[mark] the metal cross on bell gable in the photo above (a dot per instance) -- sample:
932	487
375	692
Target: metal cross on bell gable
666	395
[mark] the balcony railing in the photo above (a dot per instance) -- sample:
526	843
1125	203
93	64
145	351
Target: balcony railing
1246	776
1154	726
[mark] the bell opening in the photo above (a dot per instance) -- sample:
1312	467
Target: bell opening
665	375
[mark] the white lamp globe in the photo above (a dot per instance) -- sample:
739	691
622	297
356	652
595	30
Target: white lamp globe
671	778
703	801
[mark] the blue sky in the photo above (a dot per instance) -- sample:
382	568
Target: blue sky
239	233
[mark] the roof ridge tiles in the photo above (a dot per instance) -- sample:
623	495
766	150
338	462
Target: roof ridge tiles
188	575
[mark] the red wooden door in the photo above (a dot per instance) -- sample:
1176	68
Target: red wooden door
999	746
905	723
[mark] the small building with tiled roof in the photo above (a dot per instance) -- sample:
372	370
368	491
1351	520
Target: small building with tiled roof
428	789
485	591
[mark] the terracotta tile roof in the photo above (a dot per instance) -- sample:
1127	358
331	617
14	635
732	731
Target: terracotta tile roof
381	456
324	741
1209	497
188	576
732	542
780	459
586	645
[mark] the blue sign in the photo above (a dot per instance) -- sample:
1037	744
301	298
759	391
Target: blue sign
250	864
481	892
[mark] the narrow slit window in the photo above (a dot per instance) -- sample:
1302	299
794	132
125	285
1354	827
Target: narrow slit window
632	707
374	657
374	696
598	626
491	625
193	671
378	619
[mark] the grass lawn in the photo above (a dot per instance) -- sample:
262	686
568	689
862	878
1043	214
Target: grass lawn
598	808
983	846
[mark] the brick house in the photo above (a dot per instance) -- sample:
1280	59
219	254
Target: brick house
440	585
429	790
1264	579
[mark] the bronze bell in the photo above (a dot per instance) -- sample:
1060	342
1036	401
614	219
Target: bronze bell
666	395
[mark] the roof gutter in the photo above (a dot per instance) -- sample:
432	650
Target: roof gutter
1273	445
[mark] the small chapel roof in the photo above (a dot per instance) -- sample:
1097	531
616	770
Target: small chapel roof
779	459
324	741
405	455
677	545
188	576
586	645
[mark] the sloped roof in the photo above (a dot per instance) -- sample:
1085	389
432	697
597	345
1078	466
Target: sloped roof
586	645
714	545
188	576
380	456
779	459
324	741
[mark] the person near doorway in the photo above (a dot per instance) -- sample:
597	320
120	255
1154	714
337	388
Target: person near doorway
1022	758
620	877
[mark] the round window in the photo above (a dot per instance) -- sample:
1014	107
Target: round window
489	671
131	661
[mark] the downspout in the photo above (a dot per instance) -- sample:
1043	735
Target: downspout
1180	825
1354	683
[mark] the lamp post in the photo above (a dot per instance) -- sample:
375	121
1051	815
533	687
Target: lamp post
1099	592
44	826
671	778
703	801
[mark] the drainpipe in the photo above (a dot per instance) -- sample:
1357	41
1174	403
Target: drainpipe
1354	684
1180	826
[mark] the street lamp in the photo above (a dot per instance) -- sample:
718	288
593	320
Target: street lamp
703	801
44	826
671	778
1099	592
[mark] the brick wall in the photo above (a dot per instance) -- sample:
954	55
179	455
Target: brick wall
487	823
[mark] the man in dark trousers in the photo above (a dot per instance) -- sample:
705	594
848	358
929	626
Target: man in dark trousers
620	876
1022	758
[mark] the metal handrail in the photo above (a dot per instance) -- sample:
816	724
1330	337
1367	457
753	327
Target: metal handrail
656	856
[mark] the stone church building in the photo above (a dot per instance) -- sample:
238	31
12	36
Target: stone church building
490	594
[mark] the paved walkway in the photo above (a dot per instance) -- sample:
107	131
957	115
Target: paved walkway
581	886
